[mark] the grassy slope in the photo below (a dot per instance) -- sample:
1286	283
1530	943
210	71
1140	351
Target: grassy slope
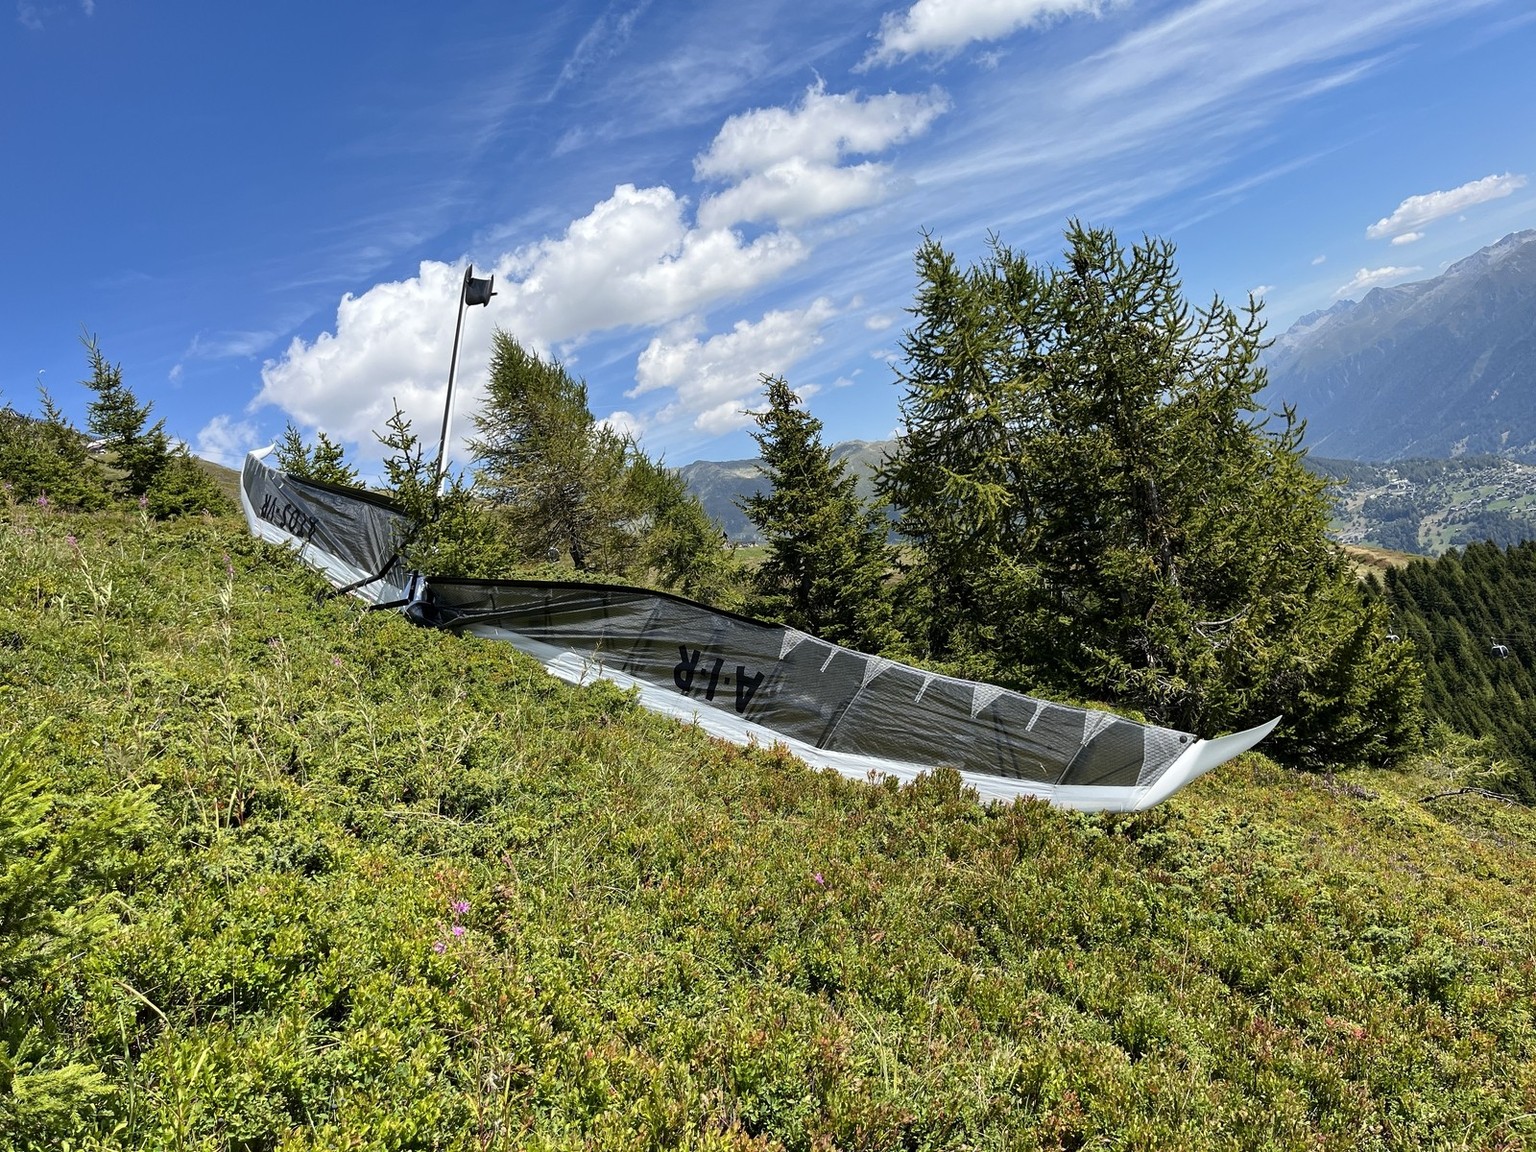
674	942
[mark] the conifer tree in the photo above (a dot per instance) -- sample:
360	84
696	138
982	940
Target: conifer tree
326	461
139	449
541	456
827	553
450	532
48	457
676	542
570	486
1097	506
183	486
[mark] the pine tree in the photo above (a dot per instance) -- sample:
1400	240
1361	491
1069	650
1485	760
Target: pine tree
48	457
677	544
183	486
450	533
827	553
325	461
139	449
1097	506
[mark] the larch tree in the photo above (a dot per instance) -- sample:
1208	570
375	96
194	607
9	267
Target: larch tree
541	456
568	485
1097	504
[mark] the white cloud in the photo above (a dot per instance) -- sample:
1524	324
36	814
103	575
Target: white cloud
390	344
784	163
943	27
226	441
716	379
1259	291
624	423
1372	277
632	261
604	40
228	346
1408	238
796	191
1316	260
878	322
1419	210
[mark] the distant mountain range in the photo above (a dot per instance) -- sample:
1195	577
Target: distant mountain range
719	484
1436	368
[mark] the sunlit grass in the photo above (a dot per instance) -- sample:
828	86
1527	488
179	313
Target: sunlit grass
405	890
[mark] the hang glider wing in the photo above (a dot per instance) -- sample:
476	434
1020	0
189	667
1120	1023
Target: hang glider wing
747	680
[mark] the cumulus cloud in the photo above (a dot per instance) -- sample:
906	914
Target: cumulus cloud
1419	210
1372	277
226	441
624	423
715	380
943	27
1259	291
632	261
1408	238
389	344
785	164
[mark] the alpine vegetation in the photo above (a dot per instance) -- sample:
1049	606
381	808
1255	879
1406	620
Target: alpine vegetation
1095	505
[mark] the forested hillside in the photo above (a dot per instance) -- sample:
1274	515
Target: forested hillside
1472	617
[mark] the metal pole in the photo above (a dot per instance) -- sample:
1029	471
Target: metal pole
453	368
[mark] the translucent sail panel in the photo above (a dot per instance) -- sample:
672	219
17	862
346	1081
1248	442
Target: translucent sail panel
352	536
747	680
815	693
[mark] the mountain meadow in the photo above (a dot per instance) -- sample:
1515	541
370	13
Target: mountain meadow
280	872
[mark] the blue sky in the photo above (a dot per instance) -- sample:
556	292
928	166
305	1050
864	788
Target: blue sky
263	211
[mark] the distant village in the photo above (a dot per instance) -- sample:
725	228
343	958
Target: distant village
1428	506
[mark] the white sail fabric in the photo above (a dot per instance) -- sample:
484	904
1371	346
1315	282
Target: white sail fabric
750	681
352	536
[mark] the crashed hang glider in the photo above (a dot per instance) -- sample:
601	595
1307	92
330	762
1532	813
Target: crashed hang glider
746	680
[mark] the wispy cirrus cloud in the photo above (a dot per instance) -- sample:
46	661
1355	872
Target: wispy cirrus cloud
603	40
1416	211
34	15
